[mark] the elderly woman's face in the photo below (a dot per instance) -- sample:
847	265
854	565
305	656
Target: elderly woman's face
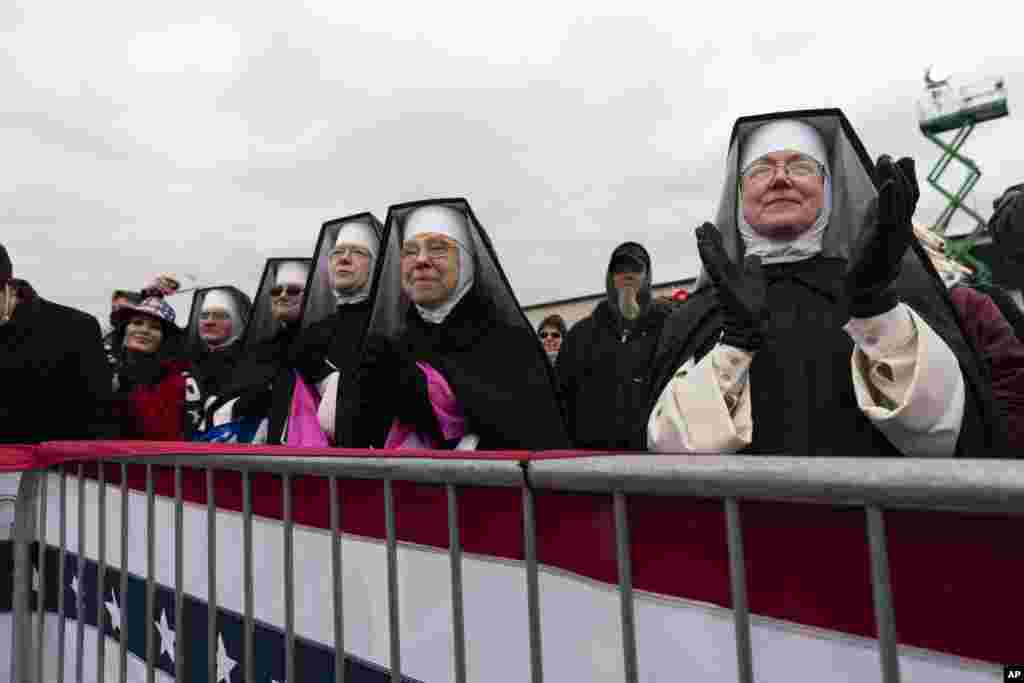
430	269
143	334
349	267
215	325
784	201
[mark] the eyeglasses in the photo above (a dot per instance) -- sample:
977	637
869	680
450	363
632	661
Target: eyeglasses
802	167
214	315
342	251
436	250
553	335
292	290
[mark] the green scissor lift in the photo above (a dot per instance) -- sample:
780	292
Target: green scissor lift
942	110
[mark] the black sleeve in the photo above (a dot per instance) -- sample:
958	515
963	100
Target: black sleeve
95	384
308	354
566	371
389	376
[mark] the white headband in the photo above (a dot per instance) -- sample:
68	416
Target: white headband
438	219
786	134
361	234
292	273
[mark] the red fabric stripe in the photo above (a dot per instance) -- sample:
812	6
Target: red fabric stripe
17	458
56	452
954	575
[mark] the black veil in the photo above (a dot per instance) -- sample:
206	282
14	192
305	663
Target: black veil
193	343
262	325
320	301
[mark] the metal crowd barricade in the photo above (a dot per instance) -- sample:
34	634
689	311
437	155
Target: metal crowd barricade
873	484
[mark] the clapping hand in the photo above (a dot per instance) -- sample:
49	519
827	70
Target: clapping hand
742	292
884	238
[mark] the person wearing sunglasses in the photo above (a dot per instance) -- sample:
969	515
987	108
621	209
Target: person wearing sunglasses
604	365
551	332
818	326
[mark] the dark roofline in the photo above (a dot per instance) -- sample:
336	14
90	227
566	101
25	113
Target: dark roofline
587	297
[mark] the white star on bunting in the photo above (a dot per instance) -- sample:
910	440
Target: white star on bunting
115	612
166	636
225	665
74	585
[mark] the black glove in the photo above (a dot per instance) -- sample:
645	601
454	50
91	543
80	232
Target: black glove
887	232
742	293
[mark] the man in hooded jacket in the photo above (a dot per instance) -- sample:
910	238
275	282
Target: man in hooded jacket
450	359
833	335
604	366
53	369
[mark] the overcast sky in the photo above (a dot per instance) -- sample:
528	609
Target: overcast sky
202	138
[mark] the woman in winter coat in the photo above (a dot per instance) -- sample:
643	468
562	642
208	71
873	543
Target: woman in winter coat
151	379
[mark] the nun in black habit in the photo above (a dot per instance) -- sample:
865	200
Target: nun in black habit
259	387
216	321
337	307
818	327
450	360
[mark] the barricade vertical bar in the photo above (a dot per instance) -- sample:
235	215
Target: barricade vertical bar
738	581
41	561
179	578
101	575
289	579
211	567
884	612
24	533
396	637
247	573
625	587
336	580
455	557
532	586
150	576
123	589
61	621
80	593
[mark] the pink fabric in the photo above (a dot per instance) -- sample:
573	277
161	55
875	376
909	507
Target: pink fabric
447	410
303	423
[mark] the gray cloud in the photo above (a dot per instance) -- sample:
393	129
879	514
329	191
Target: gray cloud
167	139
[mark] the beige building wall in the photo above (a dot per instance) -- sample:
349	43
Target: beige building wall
574	310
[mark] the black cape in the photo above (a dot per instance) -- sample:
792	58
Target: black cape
803	401
262	382
483	361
